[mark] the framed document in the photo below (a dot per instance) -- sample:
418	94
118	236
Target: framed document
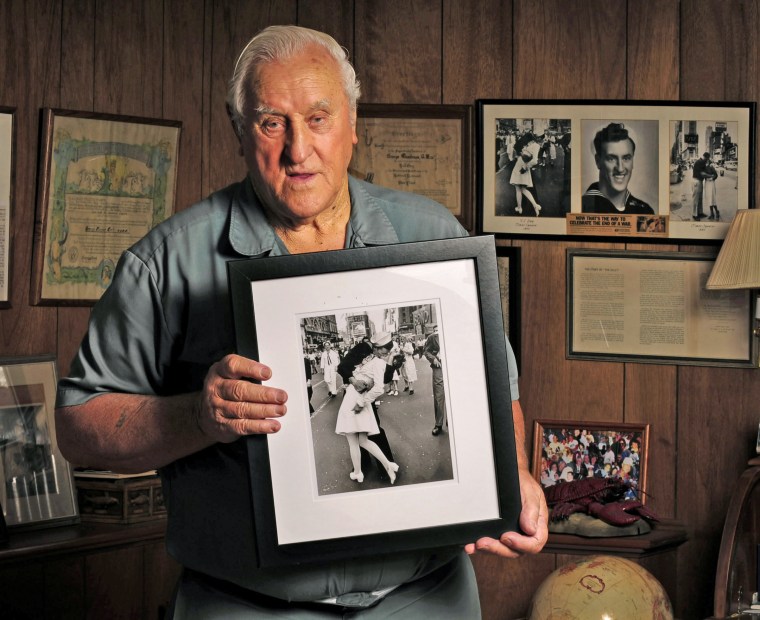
423	149
105	181
658	171
654	307
6	196
448	488
37	483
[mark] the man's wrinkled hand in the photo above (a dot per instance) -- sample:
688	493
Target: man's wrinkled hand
233	403
534	523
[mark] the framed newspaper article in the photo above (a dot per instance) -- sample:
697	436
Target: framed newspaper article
105	181
645	171
653	307
422	485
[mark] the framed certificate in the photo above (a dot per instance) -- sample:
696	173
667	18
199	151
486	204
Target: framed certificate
448	488
105	181
423	149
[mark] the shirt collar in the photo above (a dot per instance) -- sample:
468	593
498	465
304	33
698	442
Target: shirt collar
251	234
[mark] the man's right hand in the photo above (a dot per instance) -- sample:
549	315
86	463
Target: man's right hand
232	404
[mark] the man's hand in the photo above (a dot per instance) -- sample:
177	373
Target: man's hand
231	405
533	522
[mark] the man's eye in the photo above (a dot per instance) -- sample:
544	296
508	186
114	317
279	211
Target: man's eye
272	126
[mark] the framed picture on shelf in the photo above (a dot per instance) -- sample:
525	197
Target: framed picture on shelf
645	306
6	198
423	149
508	265
448	487
105	181
567	450
646	171
37	483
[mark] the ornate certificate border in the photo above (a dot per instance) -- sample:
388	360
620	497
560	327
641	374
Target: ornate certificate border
105	181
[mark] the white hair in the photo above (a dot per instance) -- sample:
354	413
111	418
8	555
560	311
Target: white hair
279	43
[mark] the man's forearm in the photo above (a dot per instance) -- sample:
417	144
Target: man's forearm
130	433
518	421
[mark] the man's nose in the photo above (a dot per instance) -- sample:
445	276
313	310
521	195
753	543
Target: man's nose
298	145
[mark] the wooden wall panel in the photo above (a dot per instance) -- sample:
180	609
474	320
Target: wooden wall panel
403	63
182	92
129	70
233	24
77	92
652	50
477	51
30	32
111	594
557	56
335	17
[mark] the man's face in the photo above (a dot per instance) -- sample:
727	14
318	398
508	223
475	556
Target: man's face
298	135
615	163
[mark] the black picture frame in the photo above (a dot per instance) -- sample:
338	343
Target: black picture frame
509	269
482	498
652	307
668	138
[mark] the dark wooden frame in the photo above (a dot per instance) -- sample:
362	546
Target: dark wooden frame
51	218
542	427
347	264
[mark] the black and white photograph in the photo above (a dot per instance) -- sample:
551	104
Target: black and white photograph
532	176
619	167
704	167
377	398
399	422
37	483
613	169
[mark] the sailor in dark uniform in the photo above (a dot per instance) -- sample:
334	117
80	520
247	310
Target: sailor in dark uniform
614	151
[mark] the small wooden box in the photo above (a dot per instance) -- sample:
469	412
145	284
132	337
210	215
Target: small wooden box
120	500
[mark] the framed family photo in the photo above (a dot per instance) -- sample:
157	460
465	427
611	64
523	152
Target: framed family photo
37	482
649	170
449	486
421	148
567	450
646	306
105	180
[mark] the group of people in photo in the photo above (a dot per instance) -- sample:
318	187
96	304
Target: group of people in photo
371	367
575	454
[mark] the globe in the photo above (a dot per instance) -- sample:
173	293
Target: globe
601	587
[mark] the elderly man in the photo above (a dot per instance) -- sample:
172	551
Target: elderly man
156	385
614	151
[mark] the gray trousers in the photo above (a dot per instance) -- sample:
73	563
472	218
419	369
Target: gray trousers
439	396
448	593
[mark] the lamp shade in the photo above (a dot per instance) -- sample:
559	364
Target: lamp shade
738	263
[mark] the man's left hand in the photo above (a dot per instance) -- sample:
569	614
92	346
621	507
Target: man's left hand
534	519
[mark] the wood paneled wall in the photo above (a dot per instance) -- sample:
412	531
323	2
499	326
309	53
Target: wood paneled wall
172	58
